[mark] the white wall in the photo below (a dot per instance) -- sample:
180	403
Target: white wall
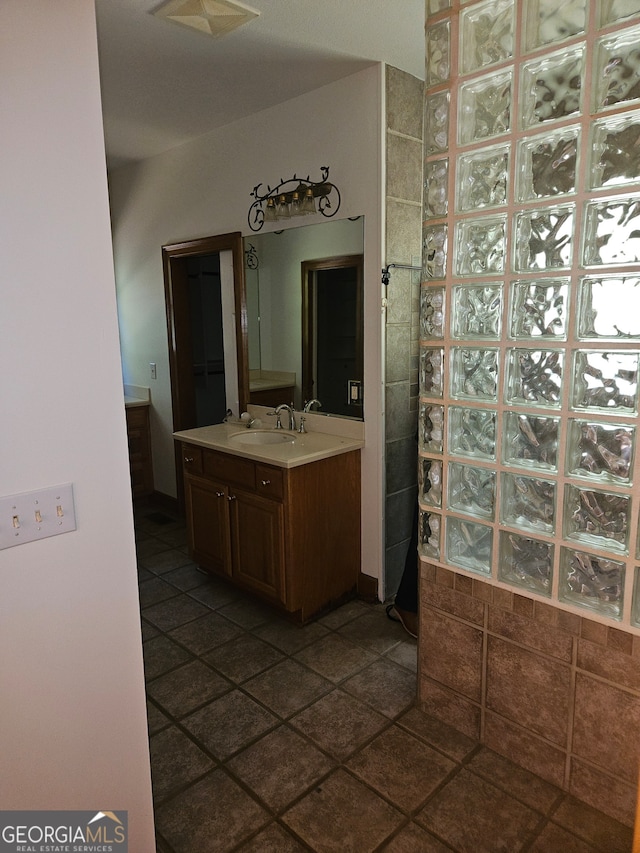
203	188
72	705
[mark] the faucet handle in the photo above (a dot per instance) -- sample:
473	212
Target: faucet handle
277	417
302	428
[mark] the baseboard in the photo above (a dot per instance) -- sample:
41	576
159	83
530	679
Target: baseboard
367	587
160	501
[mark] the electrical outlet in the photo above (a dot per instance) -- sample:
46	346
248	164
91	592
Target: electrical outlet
153	369
36	515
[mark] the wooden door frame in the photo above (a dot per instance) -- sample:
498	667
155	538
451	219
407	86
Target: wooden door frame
174	257
308	268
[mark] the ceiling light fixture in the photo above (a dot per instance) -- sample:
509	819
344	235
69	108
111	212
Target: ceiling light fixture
213	17
293	197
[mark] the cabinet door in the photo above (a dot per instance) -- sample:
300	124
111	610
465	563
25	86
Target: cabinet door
139	438
207	508
258	543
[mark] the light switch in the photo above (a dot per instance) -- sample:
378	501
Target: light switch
36	515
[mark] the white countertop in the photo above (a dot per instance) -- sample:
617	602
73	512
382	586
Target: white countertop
136	395
131	402
269	384
305	447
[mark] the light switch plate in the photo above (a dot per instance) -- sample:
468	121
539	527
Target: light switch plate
36	515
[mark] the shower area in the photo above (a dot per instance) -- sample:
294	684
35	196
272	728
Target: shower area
528	386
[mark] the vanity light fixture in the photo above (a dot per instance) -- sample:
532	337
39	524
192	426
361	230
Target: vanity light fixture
251	257
294	197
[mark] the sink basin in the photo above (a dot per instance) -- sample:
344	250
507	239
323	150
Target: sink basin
262	436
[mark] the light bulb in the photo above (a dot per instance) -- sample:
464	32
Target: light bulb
308	202
282	208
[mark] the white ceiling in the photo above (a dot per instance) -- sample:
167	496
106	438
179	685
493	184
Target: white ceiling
163	84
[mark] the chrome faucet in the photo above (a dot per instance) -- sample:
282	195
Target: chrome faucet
283	407
310	403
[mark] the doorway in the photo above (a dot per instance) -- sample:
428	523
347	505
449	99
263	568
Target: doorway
332	333
207	338
206	325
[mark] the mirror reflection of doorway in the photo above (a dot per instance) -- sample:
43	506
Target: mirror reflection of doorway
332	362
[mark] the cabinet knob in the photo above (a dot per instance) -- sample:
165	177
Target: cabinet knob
265	482
188	459
231	497
220	494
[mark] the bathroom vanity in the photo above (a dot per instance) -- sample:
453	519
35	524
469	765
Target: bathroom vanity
139	439
275	512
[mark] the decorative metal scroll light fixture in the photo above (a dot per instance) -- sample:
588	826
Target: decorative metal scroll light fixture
294	197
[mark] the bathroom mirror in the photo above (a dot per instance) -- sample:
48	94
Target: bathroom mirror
294	278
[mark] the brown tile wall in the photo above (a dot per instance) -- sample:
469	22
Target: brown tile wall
557	693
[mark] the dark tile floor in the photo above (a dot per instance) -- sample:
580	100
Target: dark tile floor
270	738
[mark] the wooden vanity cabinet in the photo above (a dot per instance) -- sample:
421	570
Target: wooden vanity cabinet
291	535
139	438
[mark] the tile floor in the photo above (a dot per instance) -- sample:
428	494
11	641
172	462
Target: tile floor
270	738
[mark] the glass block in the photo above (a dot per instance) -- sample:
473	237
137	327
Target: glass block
434	251
431	312
476	311
612	231
617	63
472	432
469	545
438	54
429	526
430	481
534	377
431	427
436	120
593	582
530	441
436	192
612	11
474	373
432	371
608	307
480	246
544	239
551	86
614	152
605	380
528	502
484	106
435	6
600	451
481	178
539	308
599	519
548	21
635	604
525	562
471	489
486	34
547	164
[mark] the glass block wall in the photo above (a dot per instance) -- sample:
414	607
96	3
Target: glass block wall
530	299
